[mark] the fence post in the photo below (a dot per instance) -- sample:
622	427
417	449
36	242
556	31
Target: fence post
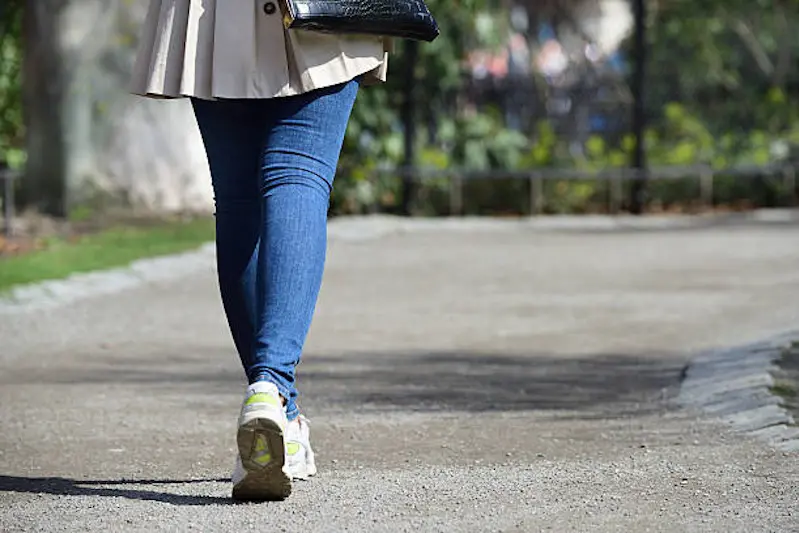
639	109
789	177
536	194
455	195
8	202
409	124
706	179
615	193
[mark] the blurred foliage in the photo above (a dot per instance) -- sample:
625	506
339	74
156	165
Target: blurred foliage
11	121
721	92
731	61
375	136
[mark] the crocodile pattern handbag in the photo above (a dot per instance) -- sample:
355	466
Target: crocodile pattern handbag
405	19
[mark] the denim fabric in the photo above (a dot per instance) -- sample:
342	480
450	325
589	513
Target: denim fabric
272	165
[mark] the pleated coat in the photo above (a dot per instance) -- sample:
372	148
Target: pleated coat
239	49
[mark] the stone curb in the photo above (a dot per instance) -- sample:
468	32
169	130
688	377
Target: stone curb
734	386
51	294
55	293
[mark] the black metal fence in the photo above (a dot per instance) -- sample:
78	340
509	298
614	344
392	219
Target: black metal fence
652	92
617	184
573	106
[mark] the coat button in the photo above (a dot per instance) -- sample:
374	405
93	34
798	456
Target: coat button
270	8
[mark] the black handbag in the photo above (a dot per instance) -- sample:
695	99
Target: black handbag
405	19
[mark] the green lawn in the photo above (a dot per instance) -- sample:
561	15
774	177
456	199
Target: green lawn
113	247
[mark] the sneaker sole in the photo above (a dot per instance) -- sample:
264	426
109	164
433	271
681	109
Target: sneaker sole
303	475
263	482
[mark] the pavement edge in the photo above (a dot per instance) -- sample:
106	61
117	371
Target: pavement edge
734	386
55	293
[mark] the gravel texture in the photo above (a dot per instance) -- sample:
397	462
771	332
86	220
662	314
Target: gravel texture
460	376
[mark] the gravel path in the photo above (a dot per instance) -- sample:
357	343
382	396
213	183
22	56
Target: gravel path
460	376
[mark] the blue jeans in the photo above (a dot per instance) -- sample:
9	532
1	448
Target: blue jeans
272	165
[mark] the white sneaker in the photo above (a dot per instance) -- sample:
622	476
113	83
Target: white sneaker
260	474
300	460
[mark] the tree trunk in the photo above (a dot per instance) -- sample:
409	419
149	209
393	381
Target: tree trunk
44	186
92	145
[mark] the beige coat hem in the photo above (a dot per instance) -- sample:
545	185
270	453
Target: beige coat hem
232	49
370	77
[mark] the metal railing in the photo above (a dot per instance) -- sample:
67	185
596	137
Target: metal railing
616	177
8	178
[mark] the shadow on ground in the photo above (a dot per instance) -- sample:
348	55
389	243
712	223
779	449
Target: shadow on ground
584	386
597	386
59	486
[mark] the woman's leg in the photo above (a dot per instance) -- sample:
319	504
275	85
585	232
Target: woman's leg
301	147
232	132
272	166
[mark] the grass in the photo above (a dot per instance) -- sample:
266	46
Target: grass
786	379
113	247
784	390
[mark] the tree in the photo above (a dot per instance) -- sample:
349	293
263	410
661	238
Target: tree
375	136
731	61
11	120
